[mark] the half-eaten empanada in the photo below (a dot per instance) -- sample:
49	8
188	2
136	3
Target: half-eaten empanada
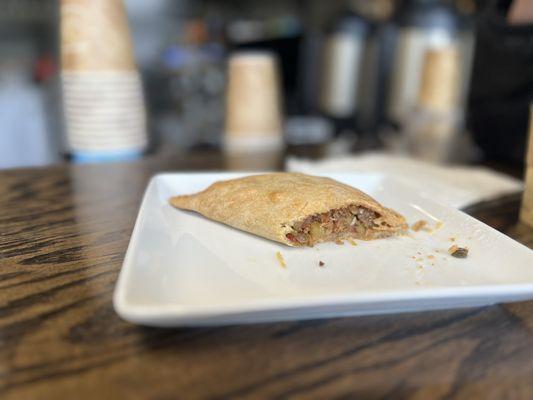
294	209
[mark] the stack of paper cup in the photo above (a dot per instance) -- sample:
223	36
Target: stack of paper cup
253	114
102	91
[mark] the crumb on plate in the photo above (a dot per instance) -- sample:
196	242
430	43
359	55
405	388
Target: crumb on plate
321	263
339	242
431	256
419	225
352	242
458	252
281	260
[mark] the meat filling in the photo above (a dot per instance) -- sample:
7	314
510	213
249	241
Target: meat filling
342	223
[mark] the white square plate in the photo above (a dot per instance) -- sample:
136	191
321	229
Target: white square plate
182	269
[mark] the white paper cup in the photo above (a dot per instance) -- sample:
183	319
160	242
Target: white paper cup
253	110
112	116
100	75
104	111
253	144
132	138
95	36
107	146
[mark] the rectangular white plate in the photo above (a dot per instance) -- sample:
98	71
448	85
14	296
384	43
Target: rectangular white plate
181	269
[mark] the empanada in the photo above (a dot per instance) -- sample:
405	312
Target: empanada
294	209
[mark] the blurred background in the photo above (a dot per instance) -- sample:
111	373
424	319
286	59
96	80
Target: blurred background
443	80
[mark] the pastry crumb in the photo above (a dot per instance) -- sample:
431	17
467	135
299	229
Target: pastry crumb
452	239
419	225
281	260
339	242
321	263
458	252
352	242
431	256
439	225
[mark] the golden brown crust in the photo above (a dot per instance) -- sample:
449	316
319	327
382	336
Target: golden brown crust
267	205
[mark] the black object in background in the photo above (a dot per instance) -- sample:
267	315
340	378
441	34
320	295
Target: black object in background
502	84
375	77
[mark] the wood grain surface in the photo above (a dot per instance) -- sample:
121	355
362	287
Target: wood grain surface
63	234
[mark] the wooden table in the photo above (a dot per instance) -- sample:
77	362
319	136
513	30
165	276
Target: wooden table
63	235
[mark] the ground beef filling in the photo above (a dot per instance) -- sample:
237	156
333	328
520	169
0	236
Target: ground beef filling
336	224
